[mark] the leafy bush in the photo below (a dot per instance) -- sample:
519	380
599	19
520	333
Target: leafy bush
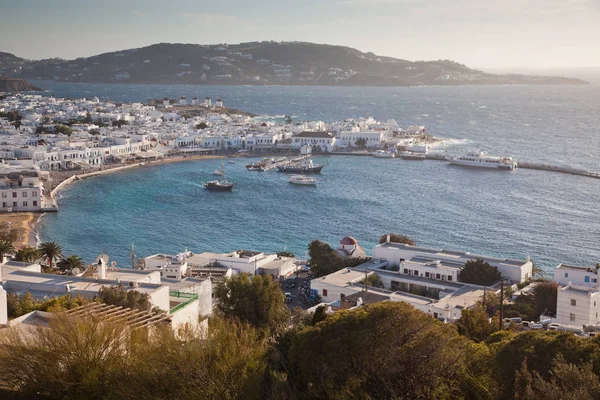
479	272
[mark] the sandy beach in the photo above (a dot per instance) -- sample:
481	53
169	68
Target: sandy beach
25	223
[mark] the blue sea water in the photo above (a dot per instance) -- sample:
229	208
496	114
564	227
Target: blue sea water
551	217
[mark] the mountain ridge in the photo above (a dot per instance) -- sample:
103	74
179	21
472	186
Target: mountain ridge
259	63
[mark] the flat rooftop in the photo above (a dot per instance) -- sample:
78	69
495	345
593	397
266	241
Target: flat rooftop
448	256
16	280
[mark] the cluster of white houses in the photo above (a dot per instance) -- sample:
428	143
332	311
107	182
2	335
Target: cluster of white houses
428	279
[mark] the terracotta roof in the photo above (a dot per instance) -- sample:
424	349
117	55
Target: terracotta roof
348	240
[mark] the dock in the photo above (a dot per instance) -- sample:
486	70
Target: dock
282	163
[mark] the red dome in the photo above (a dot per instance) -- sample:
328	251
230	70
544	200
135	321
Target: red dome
348	241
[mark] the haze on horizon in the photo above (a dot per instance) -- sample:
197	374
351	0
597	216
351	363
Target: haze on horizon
492	34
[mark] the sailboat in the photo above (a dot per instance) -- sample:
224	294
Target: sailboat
220	185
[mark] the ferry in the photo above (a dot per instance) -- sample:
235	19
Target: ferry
303	167
383	154
408	155
302	180
483	160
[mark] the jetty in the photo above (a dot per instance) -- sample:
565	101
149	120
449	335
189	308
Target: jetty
266	166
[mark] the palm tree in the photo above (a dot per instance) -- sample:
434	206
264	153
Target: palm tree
5	248
27	254
50	251
536	270
70	263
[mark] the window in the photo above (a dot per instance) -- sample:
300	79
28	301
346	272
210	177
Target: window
426	274
4	205
15	204
14	194
406	271
35	203
449	277
4	195
586	279
437	276
566	274
25	195
24	204
572	317
573	302
324	292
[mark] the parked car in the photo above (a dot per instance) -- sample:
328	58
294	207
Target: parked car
291	281
553	326
288	297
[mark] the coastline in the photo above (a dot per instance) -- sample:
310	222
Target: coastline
26	222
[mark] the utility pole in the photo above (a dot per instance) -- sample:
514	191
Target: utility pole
365	281
501	321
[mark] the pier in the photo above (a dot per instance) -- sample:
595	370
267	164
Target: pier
522	165
287	161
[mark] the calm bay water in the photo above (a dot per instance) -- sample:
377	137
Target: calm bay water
552	217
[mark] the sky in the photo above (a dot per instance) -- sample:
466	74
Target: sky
478	33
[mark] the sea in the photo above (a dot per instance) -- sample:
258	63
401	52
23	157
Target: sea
553	218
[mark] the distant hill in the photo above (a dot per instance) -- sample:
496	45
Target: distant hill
16	85
259	63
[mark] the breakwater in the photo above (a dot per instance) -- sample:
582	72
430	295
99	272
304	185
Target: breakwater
521	164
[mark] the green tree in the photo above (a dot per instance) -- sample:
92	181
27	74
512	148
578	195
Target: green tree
88	118
118	295
50	251
27	254
538	349
5	248
361	142
285	254
119	123
479	272
544	298
202	125
474	323
373	280
319	315
68	264
323	260
385	350
65	130
567	382
256	300
395	238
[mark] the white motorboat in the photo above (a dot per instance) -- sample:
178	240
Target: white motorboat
303	180
218	172
483	160
408	155
383	154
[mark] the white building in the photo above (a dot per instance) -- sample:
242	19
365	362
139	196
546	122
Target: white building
323	140
577	305
372	139
578	297
428	279
21	189
423	262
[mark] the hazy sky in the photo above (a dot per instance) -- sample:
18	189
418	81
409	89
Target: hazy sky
479	33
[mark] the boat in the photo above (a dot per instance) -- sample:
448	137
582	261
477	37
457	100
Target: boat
408	155
230	162
217	172
305	166
302	180
255	167
483	160
383	154
220	185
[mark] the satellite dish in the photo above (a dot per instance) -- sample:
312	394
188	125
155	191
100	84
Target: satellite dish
75	271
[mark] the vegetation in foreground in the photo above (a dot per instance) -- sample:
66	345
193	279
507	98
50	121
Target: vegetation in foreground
386	350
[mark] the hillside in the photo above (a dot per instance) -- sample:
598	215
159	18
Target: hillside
259	63
16	85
